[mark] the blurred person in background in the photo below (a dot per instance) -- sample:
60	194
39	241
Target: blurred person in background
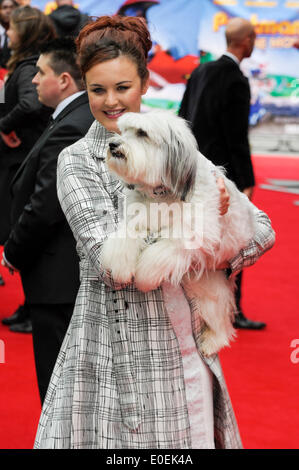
6	8
41	244
67	19
22	117
23	3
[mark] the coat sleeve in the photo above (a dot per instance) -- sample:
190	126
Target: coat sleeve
27	101
42	213
262	241
188	106
88	206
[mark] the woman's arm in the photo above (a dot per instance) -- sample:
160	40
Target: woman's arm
87	205
262	241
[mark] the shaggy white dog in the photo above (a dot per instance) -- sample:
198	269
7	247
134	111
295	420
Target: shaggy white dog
172	229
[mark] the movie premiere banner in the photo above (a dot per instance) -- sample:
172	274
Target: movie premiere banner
273	69
187	32
174	26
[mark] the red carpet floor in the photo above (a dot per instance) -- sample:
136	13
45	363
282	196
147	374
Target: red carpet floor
263	381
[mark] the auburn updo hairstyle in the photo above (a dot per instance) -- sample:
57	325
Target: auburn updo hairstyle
109	37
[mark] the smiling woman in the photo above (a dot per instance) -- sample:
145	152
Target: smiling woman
127	376
110	98
114	68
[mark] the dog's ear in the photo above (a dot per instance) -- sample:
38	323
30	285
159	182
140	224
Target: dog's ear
181	164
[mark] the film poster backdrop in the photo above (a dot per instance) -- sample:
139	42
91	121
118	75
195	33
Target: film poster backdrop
188	32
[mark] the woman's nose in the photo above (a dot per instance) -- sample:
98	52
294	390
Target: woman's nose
111	99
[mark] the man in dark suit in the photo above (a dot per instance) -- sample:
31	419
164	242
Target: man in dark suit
217	104
41	245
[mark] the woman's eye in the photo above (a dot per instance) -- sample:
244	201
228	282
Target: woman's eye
98	90
122	88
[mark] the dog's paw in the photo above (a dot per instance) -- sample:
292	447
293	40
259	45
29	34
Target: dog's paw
159	262
148	274
145	284
211	344
119	256
123	275
147	279
208	349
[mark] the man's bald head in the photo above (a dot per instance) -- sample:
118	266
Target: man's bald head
60	3
240	36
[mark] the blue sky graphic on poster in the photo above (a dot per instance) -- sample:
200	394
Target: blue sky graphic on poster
180	29
173	23
174	26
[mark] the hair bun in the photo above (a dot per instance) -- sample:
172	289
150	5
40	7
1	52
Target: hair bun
134	30
136	25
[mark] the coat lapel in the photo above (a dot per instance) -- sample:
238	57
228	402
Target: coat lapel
82	99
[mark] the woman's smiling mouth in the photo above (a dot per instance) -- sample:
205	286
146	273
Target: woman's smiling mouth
115	113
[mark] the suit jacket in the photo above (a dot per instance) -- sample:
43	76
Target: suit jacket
41	244
22	112
217	104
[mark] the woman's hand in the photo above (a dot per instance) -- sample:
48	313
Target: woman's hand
224	196
248	192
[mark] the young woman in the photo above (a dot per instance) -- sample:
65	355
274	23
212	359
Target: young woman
127	376
22	117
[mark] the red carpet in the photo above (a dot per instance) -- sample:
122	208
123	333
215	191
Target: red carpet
262	380
19	399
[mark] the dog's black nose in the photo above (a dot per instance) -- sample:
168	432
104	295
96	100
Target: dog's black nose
113	146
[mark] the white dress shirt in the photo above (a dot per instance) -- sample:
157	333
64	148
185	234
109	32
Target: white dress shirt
64	103
232	56
2	35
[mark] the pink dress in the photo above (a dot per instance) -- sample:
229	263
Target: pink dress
198	377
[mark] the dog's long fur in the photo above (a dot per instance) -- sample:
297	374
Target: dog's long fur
157	158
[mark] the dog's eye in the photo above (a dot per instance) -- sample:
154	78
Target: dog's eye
141	133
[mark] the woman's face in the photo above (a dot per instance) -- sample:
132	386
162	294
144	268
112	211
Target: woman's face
114	88
12	35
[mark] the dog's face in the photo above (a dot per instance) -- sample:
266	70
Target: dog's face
154	149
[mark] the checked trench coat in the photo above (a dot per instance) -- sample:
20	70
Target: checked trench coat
118	381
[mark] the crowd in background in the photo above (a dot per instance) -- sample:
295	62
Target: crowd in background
23	117
29	147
